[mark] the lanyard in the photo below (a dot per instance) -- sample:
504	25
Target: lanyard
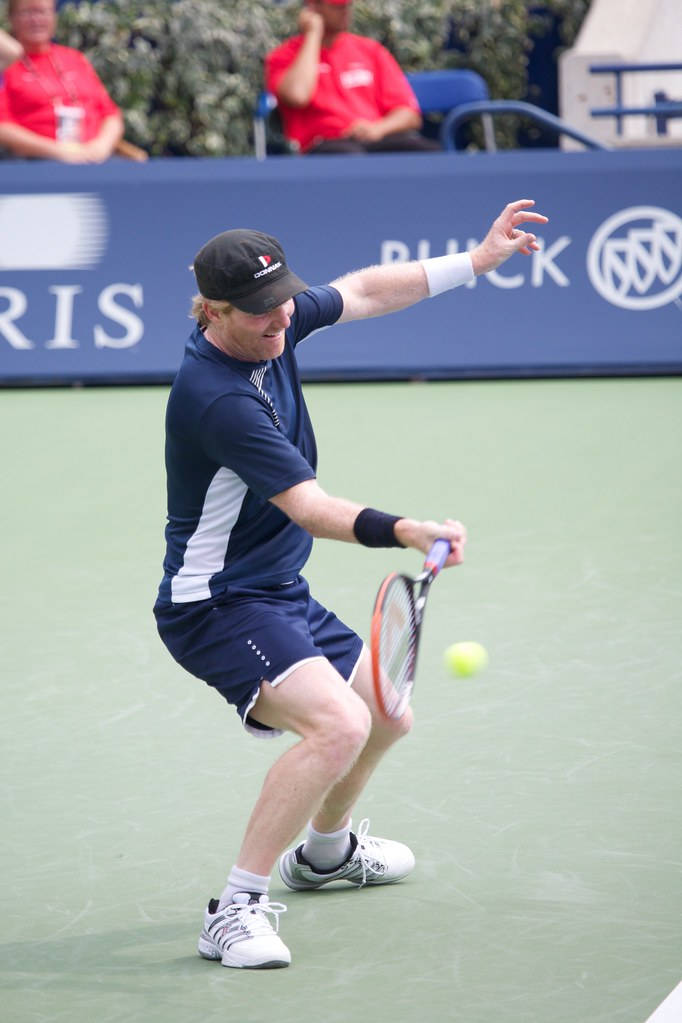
58	72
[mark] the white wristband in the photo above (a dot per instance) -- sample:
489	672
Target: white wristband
446	272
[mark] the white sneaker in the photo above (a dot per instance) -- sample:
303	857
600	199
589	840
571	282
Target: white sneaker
241	935
371	861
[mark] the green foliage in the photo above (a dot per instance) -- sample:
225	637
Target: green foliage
187	72
572	14
492	37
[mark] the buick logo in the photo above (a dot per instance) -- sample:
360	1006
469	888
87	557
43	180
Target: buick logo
635	258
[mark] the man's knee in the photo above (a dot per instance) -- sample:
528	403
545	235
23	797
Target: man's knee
403	725
343	733
389	730
352	725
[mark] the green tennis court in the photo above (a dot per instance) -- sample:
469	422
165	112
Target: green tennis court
542	799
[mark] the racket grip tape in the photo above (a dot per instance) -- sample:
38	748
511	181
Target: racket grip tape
437	556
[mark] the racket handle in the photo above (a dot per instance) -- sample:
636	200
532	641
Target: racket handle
437	556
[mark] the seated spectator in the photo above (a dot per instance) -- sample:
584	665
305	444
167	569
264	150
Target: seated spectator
339	92
52	103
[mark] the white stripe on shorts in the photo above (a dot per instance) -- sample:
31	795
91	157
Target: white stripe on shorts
272	733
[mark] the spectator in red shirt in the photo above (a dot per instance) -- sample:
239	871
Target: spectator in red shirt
339	92
52	103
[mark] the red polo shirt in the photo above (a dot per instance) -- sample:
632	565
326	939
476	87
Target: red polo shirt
358	78
30	90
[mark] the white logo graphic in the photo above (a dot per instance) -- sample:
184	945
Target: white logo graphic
635	258
52	232
268	270
357	77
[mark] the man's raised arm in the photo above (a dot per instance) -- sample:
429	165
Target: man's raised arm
378	290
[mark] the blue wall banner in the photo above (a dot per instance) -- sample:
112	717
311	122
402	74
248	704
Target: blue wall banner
95	284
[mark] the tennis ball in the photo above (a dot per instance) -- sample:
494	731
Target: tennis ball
465	659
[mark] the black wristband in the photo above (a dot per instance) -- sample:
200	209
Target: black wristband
373	528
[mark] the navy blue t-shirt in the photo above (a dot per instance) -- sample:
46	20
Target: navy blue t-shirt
237	433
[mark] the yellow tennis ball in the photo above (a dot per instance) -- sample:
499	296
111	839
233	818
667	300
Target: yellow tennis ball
465	659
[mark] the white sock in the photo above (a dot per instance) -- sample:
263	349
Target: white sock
243	881
326	851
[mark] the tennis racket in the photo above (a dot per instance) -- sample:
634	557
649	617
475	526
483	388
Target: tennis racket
396	626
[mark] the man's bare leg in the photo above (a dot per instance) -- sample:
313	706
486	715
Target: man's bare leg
335	811
334	724
330	852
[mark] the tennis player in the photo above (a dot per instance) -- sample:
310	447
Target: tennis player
233	608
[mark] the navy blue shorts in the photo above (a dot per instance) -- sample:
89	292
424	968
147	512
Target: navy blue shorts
250	635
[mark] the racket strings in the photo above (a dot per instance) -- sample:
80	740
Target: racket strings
398	640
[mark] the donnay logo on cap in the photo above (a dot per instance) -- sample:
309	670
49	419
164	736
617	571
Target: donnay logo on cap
268	266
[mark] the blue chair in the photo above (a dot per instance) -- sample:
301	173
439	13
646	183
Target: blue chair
440	92
265	105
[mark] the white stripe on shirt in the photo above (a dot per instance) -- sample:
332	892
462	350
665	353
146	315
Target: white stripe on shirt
207	546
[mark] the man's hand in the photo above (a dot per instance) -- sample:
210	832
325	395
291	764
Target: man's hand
310	22
365	131
69	152
97	150
396	120
504	237
421	536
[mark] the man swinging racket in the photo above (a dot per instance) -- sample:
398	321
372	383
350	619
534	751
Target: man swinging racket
233	608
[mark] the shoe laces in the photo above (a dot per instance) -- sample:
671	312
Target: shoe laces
252	916
368	861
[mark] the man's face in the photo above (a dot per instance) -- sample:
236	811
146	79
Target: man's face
253	338
33	22
337	17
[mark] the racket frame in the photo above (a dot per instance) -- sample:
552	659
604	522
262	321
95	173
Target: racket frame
433	563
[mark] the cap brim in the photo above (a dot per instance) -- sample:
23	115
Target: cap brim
271	295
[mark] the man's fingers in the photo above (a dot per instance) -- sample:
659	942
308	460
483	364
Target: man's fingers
455	557
519	204
518	213
526	243
496	247
525	216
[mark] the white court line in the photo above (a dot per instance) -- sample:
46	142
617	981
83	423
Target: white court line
669	1011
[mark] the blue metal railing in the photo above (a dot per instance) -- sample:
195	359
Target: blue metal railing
485	109
662	109
509	106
